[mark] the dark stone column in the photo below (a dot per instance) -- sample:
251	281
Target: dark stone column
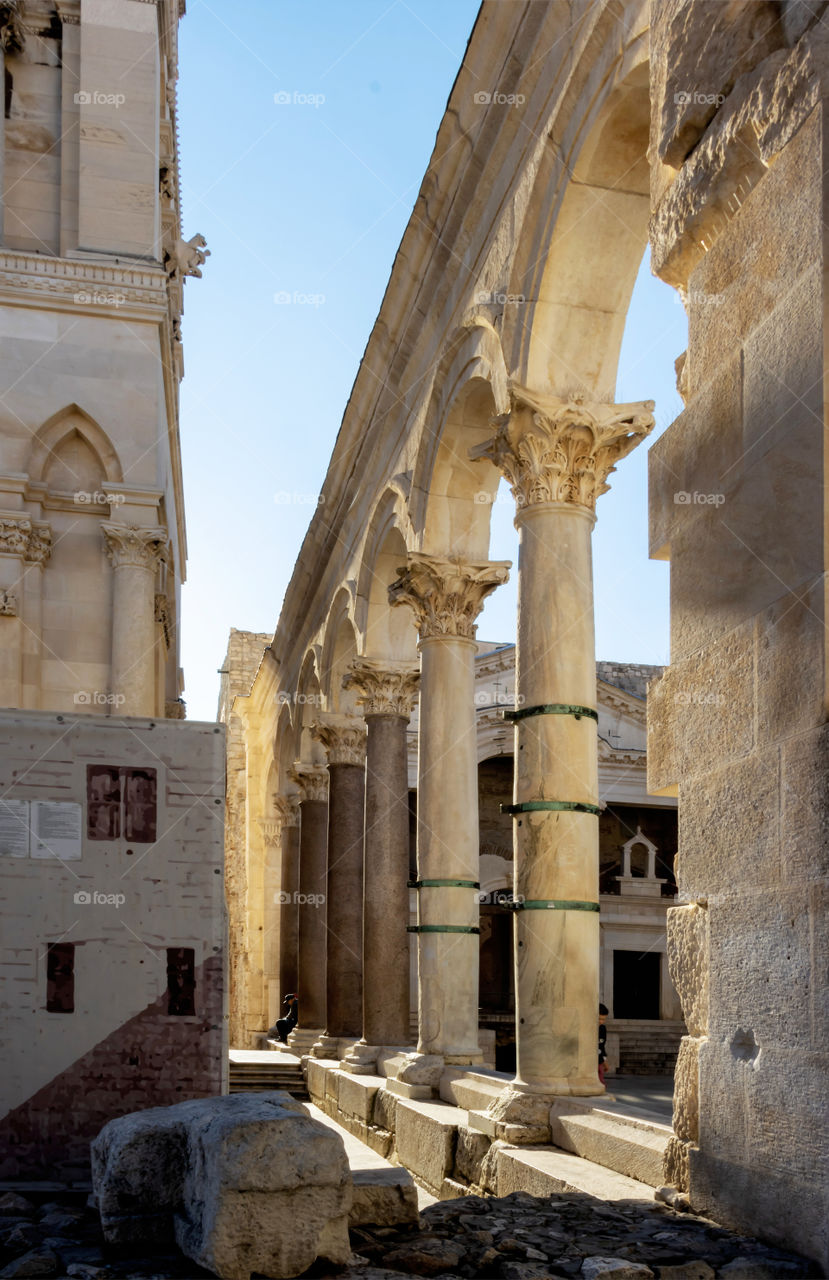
387	690
313	886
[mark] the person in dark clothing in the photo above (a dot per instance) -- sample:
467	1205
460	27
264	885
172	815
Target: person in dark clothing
284	1026
602	1040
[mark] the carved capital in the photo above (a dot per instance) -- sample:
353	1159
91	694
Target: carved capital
446	595
562	450
11	27
383	688
20	536
287	806
175	710
271	831
8	604
343	737
138	548
312	781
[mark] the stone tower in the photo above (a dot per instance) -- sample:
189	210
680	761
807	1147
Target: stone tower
92	265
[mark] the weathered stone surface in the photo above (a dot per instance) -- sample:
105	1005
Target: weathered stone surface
686	1090
688	962
614	1269
38	1262
675	1165
15	1206
687	1271
426	1257
422	1068
699	50
426	1141
253	1182
471	1148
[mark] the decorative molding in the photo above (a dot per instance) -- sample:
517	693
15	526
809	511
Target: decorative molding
11	27
21	536
312	781
384	688
287	806
446	595
271	832
608	754
79	285
162	615
128	545
554	449
8	604
343	737
175	710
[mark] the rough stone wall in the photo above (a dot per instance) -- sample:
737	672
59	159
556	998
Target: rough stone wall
244	655
737	505
122	902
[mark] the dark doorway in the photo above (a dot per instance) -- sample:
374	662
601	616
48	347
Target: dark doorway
636	984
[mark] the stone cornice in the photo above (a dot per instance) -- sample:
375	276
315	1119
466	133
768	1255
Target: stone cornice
446	596
557	449
94	288
343	737
627	755
620	700
312	781
384	688
133	546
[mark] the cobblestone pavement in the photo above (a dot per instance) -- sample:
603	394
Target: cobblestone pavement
516	1237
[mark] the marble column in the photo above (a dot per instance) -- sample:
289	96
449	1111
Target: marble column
386	692
135	554
287	807
312	782
557	455
344	740
447	596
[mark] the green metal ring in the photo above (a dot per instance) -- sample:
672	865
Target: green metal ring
443	884
441	928
555	904
536	806
552	709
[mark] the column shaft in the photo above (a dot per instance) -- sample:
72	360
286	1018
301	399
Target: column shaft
289	919
386	948
313	877
345	900
447	849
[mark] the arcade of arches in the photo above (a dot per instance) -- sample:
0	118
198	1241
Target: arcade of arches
697	127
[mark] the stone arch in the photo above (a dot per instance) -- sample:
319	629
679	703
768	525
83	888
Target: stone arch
52	438
339	650
385	632
308	707
452	495
284	745
586	229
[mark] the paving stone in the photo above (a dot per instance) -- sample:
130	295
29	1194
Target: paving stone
15	1206
614	1269
38	1262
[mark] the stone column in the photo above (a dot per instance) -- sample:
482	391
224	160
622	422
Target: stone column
135	555
312	782
344	740
447	596
556	455
287	807
386	693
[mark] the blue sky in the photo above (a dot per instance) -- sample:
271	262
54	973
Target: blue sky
308	198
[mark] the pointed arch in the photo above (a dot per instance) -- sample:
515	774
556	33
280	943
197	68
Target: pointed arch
57	430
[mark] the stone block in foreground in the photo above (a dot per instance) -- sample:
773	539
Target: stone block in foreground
243	1183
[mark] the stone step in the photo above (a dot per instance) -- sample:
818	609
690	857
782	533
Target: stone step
635	1150
384	1194
543	1172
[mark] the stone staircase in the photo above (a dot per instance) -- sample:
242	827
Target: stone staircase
649	1049
258	1072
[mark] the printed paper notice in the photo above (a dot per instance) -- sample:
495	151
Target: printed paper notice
56	830
14	828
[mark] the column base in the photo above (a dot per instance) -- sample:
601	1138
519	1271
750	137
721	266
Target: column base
519	1115
361	1059
326	1046
301	1040
419	1077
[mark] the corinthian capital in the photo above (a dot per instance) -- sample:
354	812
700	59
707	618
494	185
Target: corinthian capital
312	781
130	545
383	688
21	536
562	450
343	737
446	595
287	807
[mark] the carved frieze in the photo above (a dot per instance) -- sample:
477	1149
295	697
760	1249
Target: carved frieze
562	450
446	595
383	688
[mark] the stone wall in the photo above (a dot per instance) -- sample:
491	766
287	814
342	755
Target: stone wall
113	928
738	506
